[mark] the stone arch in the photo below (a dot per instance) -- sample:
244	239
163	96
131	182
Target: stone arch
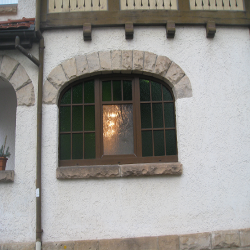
14	73
116	61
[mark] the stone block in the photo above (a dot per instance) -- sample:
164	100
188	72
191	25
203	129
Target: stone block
127	61
138	59
105	61
149	62
7	176
183	88
81	65
174	74
8	67
107	171
162	64
49	93
26	96
170	242
69	67
58	245
19	78
144	243
86	245
149	169
116	61
245	237
226	239
57	77
19	246
200	241
93	62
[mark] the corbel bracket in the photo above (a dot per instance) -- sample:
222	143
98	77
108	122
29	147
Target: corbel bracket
170	29
129	30
87	32
210	29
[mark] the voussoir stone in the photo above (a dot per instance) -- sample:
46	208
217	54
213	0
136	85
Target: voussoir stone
58	245
169	242
200	241
116	60
7	176
69	67
19	78
138	59
57	77
149	62
82	65
8	67
18	246
86	244
226	239
245	237
183	88
49	93
162	64
93	62
127	61
174	74
26	95
105	61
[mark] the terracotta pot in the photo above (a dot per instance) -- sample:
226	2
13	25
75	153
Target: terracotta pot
3	161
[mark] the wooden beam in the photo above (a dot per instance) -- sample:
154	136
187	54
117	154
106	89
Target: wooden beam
210	29
170	29
87	32
129	30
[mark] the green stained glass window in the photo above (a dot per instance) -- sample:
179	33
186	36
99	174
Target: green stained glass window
65	146
166	94
144	90
66	98
89	92
159	143
77	118
157	115
77	94
89	146
65	119
77	146
146	115
156	91
171	142
127	90
147	148
89	118
117	91
169	115
106	91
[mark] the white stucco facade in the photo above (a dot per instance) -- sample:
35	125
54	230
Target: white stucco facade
213	133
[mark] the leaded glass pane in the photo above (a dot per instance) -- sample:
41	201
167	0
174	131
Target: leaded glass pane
170	142
156	91
157	115
66	98
117	91
159	143
89	92
89	118
127	90
166	94
65	119
65	147
77	118
77	146
146	115
144	90
147	149
77	94
89	146
106	91
169	115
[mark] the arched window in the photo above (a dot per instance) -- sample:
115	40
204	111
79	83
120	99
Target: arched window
117	120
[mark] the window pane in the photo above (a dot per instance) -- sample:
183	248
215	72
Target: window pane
147	149
77	118
65	119
106	91
66	98
146	115
127	90
89	92
77	146
144	90
170	142
89	118
157	115
118	136
169	115
166	94
156	91
117	92
89	146
159	143
77	93
65	146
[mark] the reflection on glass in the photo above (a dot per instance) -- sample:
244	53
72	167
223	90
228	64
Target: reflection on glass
118	135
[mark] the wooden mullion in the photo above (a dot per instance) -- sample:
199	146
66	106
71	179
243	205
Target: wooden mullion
98	122
183	5
113	5
71	123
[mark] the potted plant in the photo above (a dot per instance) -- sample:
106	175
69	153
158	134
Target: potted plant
4	155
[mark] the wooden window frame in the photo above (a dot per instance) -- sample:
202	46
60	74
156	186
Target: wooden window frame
118	159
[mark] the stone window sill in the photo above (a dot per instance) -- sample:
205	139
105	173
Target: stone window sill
7	9
119	171
7	176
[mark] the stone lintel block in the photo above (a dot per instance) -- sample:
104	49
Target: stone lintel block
81	65
19	78
7	176
162	65
127	59
170	29
200	241
245	237
86	244
105	61
99	171
69	67
138	58
129	30
143	243
93	62
8	67
116	61
49	93
183	88
26	95
174	74
18	246
58	245
210	29
87	31
151	169
169	242
57	77
149	61
226	239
